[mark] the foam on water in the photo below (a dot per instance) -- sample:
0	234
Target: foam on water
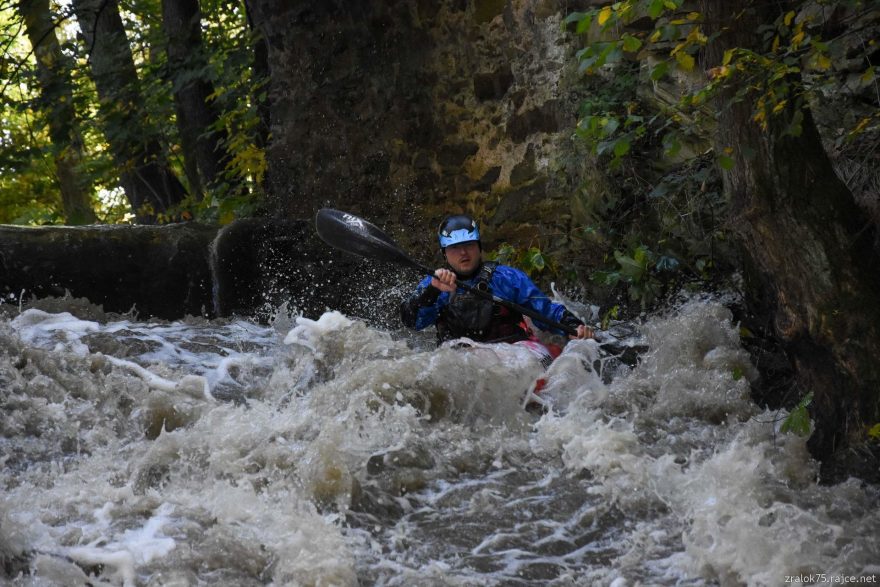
332	453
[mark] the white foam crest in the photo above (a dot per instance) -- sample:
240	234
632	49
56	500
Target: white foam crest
755	513
307	547
192	385
306	329
56	331
695	365
131	549
740	490
334	345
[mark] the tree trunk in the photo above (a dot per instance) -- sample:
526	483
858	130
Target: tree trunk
204	152
150	186
810	246
56	101
261	74
348	83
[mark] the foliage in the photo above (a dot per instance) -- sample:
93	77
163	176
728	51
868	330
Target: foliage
532	260
794	68
611	314
29	192
665	181
798	420
638	269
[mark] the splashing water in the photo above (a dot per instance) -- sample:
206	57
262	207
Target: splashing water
327	452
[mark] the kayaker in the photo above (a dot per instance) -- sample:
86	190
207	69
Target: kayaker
458	313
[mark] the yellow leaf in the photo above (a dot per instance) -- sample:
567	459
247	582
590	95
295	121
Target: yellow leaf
822	62
697	36
775	46
693	16
779	106
861	125
874	432
789	16
718	72
868	76
797	39
604	15
656	36
685	61
728	55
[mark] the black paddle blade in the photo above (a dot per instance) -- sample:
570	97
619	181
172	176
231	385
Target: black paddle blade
357	236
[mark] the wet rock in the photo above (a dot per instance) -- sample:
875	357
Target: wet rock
413	457
489	178
519	204
525	169
546	117
493	85
454	154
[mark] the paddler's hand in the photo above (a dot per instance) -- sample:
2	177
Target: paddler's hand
583	331
444	280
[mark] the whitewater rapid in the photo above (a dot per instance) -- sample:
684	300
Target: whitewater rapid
329	452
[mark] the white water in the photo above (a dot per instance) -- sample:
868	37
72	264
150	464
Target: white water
330	453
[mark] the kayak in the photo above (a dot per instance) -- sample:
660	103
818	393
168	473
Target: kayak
545	353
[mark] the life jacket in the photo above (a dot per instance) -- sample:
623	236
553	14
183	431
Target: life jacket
467	314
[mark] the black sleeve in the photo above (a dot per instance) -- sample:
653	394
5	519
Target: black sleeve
570	319
409	309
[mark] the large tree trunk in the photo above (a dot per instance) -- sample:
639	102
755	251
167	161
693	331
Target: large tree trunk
810	246
150	186
344	87
261	74
56	101
204	152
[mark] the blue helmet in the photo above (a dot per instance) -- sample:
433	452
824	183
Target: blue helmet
457	229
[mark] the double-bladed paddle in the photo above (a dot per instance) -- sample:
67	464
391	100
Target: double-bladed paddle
355	235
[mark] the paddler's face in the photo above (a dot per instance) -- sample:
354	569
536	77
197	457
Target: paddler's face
464	258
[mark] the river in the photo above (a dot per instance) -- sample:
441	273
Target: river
331	452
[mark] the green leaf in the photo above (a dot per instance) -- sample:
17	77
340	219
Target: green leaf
609	125
575	17
725	162
629	267
655	8
611	278
631	44
612	313
660	70
621	147
671	146
533	260
584	24
798	421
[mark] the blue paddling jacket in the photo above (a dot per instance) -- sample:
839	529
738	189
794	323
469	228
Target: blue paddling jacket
462	313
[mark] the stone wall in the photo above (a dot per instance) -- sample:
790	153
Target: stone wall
405	111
